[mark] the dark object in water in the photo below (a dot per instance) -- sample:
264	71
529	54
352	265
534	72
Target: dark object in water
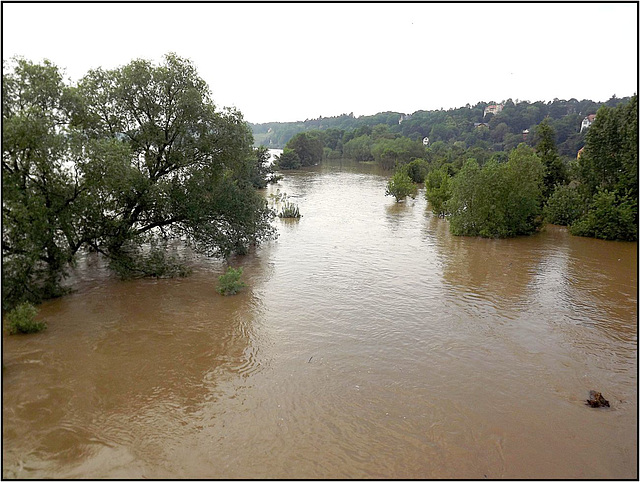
597	400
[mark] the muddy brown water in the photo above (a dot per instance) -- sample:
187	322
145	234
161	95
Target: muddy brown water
369	343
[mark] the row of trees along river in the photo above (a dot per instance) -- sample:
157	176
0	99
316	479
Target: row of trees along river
504	193
369	340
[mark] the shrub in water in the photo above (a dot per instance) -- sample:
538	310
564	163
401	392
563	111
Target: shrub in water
289	210
609	217
229	283
400	186
22	319
289	159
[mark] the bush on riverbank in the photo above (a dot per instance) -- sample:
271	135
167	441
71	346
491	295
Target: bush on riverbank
564	206
438	191
609	217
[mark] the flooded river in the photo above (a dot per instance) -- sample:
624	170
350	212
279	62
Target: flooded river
369	343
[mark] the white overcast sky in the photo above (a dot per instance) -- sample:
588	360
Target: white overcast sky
288	62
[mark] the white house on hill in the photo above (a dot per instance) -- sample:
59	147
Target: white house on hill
493	109
587	121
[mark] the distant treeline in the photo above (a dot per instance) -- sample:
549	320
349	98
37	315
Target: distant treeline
474	125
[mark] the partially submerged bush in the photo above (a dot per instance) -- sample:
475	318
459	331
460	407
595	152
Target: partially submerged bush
417	170
156	262
400	186
289	159
289	210
609	217
22	319
438	191
229	283
497	200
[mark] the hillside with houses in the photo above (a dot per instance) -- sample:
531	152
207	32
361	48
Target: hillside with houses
494	126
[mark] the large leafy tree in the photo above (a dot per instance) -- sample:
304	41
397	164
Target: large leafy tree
43	195
498	199
165	162
288	159
610	157
437	190
308	147
555	172
130	157
391	152
607	172
358	148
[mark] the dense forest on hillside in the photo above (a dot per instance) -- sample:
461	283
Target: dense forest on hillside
471	125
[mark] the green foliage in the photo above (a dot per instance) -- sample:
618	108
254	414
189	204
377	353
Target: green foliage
154	261
609	217
438	191
400	186
186	167
610	157
21	319
564	206
359	148
497	200
280	200
456	124
525	177
289	210
417	170
392	152
288	160
608	174
230	283
381	131
127	156
43	197
555	171
308	147
261	173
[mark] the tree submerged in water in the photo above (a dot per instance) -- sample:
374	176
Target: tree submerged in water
497	200
400	186
125	158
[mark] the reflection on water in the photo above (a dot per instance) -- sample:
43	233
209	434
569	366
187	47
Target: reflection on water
370	343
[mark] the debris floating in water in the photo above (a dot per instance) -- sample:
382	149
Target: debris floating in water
597	400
